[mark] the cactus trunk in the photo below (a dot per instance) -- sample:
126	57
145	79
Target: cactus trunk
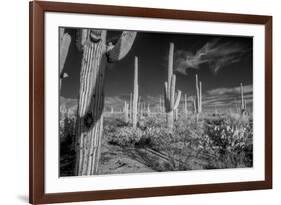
176	114
170	120
243	106
198	95
91	95
126	112
135	95
185	106
91	101
194	106
131	108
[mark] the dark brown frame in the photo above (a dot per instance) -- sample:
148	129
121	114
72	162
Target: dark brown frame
37	95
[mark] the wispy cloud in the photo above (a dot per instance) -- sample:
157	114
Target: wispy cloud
113	101
215	53
233	90
227	96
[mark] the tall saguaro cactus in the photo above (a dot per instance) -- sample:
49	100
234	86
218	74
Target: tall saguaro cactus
131	108
135	95
243	100
96	54
126	112
194	106
161	104
171	102
198	94
185	106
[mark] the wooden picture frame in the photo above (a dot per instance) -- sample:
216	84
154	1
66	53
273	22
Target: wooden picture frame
37	10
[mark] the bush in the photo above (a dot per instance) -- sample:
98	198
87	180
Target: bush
231	141
67	147
124	136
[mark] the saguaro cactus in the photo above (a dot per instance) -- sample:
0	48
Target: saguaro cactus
176	114
148	110
198	94
171	102
96	54
160	104
131	108
194	106
185	106
243	100
142	107
135	94
126	112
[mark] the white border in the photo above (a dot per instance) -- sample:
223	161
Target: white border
54	184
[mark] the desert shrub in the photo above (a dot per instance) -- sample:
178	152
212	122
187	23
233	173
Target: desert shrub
178	146
124	136
207	142
231	141
67	147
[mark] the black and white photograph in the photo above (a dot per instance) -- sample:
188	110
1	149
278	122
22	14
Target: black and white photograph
142	102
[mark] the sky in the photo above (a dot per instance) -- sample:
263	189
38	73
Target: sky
221	62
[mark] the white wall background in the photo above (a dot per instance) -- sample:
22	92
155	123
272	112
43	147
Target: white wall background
14	100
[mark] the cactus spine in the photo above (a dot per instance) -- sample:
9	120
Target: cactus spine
171	102
96	54
198	95
135	94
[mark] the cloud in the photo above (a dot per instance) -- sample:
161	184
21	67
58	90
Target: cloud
234	90
227	96
215	53
113	101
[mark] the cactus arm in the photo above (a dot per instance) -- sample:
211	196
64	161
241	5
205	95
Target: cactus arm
172	91
200	95
197	94
166	99
177	102
81	37
65	40
122	47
